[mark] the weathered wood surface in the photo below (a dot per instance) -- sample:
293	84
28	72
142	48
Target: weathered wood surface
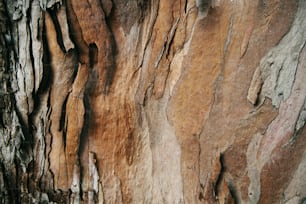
175	101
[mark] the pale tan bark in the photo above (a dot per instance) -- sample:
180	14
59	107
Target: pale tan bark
139	101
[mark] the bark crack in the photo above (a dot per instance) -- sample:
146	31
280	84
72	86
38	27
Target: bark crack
152	22
58	29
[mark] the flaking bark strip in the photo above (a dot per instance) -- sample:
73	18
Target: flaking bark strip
62	66
100	35
302	119
148	35
61	15
255	87
93	186
57	27
108	61
75	113
76	185
161	79
167	44
76	34
36	27
25	72
162	72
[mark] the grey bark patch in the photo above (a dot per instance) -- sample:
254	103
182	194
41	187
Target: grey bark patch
301	120
129	12
203	7
278	67
45	4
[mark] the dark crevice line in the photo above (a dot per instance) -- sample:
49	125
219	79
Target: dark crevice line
93	54
23	126
15	184
150	31
172	36
144	5
220	176
111	61
88	115
7	184
233	192
48	75
110	54
58	30
63	115
28	140
73	52
75	33
34	96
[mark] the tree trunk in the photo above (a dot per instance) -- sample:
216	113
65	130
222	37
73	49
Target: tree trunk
138	101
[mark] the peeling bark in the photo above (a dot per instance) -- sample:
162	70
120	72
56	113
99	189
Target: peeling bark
152	101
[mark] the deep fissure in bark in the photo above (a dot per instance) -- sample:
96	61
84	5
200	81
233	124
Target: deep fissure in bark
222	114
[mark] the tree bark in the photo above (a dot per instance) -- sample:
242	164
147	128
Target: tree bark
175	101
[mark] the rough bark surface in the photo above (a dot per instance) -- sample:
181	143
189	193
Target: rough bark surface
149	101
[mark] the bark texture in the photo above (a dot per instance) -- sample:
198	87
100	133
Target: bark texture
152	101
